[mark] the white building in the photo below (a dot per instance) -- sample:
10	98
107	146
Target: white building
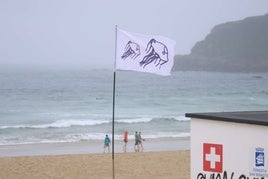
229	145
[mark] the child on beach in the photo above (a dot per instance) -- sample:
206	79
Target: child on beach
107	142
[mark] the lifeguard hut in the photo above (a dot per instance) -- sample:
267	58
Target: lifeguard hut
229	145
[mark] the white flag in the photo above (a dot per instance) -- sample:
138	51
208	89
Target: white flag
144	53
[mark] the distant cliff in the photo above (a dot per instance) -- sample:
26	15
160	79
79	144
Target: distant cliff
240	46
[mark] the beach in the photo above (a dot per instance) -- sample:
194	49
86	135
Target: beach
92	146
169	158
53	122
168	164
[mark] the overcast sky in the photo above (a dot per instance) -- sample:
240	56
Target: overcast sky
81	33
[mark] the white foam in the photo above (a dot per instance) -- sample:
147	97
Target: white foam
59	124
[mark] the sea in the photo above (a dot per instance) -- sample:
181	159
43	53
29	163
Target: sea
54	106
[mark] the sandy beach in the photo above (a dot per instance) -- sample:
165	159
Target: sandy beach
166	158
168	164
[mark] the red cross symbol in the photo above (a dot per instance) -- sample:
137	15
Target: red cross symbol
212	157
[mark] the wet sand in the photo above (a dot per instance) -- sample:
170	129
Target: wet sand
94	146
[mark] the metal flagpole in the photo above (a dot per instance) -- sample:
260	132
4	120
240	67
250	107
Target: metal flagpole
113	122
114	101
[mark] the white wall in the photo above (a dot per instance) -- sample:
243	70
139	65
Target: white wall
239	143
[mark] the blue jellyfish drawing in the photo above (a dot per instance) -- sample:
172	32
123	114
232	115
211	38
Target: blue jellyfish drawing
132	50
156	52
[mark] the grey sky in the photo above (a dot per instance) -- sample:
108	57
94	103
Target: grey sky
81	33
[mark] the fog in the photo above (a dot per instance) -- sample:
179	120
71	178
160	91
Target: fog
81	33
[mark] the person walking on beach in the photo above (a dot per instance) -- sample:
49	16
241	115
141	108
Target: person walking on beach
136	147
125	141
140	139
107	142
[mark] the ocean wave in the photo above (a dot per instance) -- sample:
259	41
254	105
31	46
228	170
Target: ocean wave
78	137
134	120
58	124
154	119
72	123
100	136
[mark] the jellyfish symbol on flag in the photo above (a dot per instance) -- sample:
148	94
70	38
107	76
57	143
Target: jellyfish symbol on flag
156	52
132	50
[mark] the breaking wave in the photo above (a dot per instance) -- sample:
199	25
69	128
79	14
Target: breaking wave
73	123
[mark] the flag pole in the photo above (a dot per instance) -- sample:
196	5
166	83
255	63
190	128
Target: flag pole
113	122
114	79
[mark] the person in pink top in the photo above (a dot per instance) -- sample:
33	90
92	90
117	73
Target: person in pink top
125	141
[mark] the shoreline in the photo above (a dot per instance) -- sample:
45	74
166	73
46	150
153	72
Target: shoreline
92	147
